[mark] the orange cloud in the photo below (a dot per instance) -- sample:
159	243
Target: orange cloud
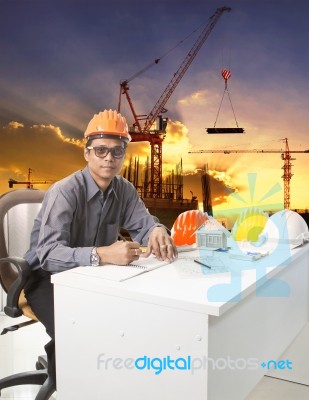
44	149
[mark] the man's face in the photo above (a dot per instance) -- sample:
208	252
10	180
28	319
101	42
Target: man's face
104	169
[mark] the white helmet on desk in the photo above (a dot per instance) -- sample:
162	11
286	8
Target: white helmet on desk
285	227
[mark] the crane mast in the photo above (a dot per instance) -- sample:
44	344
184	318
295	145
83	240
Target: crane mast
144	132
285	155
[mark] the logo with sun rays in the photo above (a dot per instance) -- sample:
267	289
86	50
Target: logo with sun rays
252	219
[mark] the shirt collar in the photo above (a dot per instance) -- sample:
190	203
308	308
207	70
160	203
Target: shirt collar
112	188
92	188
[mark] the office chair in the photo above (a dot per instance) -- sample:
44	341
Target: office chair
18	210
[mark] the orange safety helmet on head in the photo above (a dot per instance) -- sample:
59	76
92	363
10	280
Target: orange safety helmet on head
108	124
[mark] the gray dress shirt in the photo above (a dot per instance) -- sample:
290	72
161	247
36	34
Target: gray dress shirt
76	216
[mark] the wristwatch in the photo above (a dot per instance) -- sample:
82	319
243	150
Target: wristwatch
94	258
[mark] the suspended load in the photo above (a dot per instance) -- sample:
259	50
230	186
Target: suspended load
226	74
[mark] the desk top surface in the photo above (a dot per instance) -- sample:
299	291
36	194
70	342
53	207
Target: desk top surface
184	284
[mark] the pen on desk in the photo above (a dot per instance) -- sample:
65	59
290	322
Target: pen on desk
204	265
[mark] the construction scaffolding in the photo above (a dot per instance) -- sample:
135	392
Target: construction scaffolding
206	190
172	183
172	203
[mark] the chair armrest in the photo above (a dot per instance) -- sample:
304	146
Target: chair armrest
13	292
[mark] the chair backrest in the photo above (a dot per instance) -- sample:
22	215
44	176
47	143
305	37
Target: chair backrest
18	210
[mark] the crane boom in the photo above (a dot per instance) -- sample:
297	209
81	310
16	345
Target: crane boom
247	151
157	109
29	182
168	91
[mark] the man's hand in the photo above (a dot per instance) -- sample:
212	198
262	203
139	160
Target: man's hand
161	245
119	253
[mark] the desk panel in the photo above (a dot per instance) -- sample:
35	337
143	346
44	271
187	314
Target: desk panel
99	340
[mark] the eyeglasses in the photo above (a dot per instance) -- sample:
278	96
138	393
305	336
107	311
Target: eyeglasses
102	151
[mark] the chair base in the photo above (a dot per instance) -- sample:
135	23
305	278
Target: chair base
47	389
38	377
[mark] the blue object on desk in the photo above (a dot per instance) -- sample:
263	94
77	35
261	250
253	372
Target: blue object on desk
223	249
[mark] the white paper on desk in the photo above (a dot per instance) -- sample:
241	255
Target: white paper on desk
123	272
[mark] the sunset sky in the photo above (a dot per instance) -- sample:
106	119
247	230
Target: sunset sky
61	61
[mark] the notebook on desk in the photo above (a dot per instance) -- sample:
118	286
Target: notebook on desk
122	272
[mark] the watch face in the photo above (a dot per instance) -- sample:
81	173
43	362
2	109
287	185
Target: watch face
94	259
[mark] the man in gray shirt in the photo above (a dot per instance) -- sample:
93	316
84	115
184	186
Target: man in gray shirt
80	219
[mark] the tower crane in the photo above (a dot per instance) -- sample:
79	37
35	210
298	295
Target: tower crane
144	131
29	182
285	156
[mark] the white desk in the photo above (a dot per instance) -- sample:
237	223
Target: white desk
102	326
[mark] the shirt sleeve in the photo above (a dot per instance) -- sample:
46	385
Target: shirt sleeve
53	247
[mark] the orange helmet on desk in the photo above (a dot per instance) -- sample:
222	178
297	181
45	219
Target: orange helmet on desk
185	226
